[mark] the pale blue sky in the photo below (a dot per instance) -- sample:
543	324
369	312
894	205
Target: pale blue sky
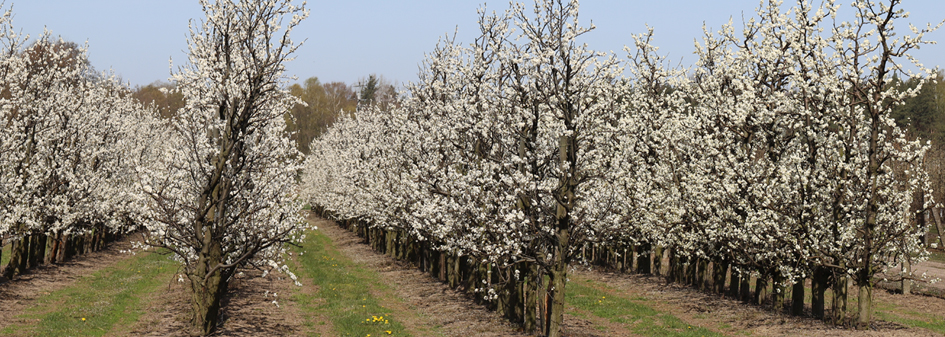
347	40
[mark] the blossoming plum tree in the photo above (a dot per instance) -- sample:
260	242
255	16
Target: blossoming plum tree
223	193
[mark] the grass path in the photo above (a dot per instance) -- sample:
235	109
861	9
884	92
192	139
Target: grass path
616	314
108	300
354	298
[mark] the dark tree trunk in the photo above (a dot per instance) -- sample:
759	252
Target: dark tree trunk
643	258
797	298
778	291
720	269
744	288
733	284
818	288
761	290
52	243
38	253
657	261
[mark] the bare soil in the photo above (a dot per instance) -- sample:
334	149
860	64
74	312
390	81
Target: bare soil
19	294
929	277
254	306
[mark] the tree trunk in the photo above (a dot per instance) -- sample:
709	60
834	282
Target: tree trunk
38	255
14	266
839	303
532	280
68	247
777	291
52	245
556	285
865	304
29	243
643	258
565	199
733	283
761	289
542	297
745	288
818	288
208	287
65	244
691	272
906	275
938	225
657	267
721	268
797	298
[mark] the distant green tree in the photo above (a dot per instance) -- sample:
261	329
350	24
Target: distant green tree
376	90
324	103
368	89
163	96
924	114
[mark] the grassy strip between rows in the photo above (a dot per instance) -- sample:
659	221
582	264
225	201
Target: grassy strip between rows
602	301
344	292
936	256
108	300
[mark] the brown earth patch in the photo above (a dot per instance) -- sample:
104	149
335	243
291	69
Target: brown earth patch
247	310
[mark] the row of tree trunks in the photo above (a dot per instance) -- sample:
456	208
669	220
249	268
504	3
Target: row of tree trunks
522	298
515	288
35	249
719	276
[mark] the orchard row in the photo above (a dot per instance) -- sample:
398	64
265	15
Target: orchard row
774	156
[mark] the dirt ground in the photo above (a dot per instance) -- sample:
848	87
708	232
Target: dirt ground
929	275
248	309
17	295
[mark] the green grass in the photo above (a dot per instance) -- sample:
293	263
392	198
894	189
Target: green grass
893	313
937	256
109	299
599	300
910	318
345	294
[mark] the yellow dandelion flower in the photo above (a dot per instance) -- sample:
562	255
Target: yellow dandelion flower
83	319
